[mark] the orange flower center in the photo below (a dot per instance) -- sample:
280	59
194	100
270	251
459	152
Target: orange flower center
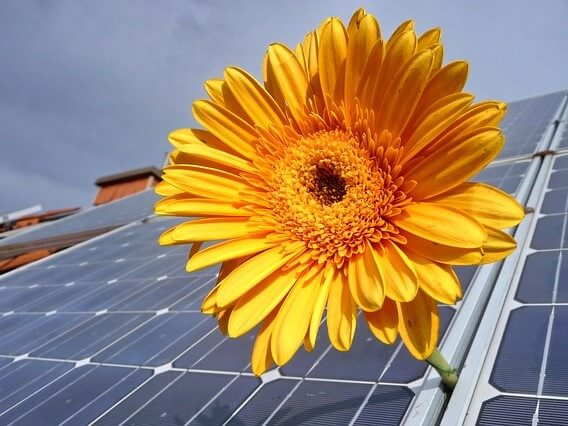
335	191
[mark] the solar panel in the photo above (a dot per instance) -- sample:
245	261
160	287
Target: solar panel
525	371
527	123
110	332
88	222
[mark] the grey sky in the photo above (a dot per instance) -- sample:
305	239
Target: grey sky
89	88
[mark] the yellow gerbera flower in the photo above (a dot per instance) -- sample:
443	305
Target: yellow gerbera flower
341	183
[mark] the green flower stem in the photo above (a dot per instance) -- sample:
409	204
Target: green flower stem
444	369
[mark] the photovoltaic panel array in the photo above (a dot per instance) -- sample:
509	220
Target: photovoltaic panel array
104	217
110	332
524	379
527	121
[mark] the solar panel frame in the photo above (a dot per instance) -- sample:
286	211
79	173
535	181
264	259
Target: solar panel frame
474	387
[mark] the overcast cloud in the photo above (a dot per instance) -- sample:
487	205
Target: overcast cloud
89	88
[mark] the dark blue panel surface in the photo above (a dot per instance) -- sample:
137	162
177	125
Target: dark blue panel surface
507	411
556	379
218	411
518	363
158	341
229	355
537	280
555	201
38	332
322	403
193	301
526	122
548	233
91	336
161	294
553	412
304	361
507	177
22	378
83	394
170	399
387	406
263	403
465	274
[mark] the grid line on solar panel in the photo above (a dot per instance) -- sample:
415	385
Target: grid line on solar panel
527	123
528	353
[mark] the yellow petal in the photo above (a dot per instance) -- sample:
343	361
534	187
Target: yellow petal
384	322
209	304
165	189
403	93
489	205
237	135
444	254
355	21
205	182
184	205
227	250
293	319
433	122
446	169
255	305
361	43
191	153
223	319
319	306
370	75
214	229
498	245
419	325
341	313
365	280
261	355
181	137
247	275
429	38
286	78
437	280
446	81
253	98
166	238
401	283
441	224
214	88
399	50
331	60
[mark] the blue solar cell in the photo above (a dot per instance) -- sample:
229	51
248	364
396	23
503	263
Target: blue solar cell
558	179
38	332
229	354
55	298
553	412
4	362
465	274
193	300
264	403
556	379
507	177
386	406
322	403
158	341
518	364
366	359
555	201
22	378
91	336
161	294
224	405
170	398
82	394
507	411
11	299
547	233
537	280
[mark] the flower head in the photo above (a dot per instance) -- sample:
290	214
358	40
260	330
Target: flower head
339	185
